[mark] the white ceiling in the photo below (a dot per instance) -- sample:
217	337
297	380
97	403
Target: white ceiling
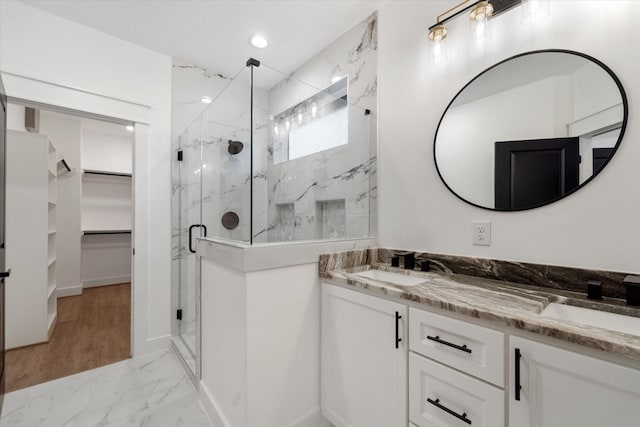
215	34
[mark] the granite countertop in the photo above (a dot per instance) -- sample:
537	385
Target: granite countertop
505	303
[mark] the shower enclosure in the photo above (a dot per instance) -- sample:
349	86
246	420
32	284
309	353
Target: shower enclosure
274	158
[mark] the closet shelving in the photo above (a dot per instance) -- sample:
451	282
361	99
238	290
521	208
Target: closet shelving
52	301
106	220
106	202
31	238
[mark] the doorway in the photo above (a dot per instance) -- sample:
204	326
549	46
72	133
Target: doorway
531	173
79	245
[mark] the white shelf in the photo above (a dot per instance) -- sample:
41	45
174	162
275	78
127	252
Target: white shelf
51	290
52	175
51	261
51	232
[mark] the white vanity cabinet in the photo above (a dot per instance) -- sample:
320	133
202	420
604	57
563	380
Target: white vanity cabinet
447	362
364	359
560	388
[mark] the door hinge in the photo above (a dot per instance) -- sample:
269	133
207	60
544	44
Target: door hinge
179	314
179	155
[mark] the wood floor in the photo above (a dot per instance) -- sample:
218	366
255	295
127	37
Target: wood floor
93	330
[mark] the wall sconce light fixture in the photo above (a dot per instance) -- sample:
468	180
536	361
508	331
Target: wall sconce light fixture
480	16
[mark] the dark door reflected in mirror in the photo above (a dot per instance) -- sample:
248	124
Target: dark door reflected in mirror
530	130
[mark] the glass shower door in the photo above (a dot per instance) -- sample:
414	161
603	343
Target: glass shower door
189	163
226	162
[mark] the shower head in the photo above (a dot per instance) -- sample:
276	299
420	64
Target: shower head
235	147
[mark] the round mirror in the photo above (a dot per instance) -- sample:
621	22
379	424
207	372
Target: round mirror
530	130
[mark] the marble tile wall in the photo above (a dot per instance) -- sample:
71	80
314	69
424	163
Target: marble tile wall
346	172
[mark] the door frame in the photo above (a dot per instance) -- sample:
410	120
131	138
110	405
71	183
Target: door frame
139	261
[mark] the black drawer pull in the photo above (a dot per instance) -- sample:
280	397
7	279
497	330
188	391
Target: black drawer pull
398	339
437	404
457	347
516	361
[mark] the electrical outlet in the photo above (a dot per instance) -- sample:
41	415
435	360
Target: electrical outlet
481	233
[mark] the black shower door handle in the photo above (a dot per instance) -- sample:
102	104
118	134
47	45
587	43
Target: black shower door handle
204	227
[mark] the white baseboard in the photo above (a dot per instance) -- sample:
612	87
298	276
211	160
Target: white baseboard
69	292
156	344
312	419
211	408
103	281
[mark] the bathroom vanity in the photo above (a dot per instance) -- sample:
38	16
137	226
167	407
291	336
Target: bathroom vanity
458	350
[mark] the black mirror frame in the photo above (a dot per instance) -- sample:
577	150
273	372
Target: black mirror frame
625	106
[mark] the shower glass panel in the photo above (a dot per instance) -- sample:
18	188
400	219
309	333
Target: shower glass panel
189	227
226	162
275	157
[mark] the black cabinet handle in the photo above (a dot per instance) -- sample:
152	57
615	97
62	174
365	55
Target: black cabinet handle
4	274
204	228
398	339
518	387
457	347
437	404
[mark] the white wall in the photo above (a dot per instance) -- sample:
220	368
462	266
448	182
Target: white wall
596	227
106	259
51	49
105	151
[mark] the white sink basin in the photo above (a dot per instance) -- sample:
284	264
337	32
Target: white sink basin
391	277
599	319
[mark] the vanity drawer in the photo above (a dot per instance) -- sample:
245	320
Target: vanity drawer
440	396
473	349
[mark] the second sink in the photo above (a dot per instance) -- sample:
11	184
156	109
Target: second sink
599	319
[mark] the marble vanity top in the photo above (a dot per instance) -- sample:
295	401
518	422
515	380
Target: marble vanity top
511	304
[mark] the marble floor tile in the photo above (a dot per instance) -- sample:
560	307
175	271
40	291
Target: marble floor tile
147	391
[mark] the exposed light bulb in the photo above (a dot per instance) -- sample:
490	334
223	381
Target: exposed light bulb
259	42
276	130
314	110
299	117
130	128
535	10
206	100
287	124
336	79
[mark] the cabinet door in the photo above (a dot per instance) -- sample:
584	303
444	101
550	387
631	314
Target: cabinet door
364	366
560	388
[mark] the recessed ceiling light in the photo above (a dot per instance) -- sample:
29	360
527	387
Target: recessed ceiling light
259	42
206	100
129	128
